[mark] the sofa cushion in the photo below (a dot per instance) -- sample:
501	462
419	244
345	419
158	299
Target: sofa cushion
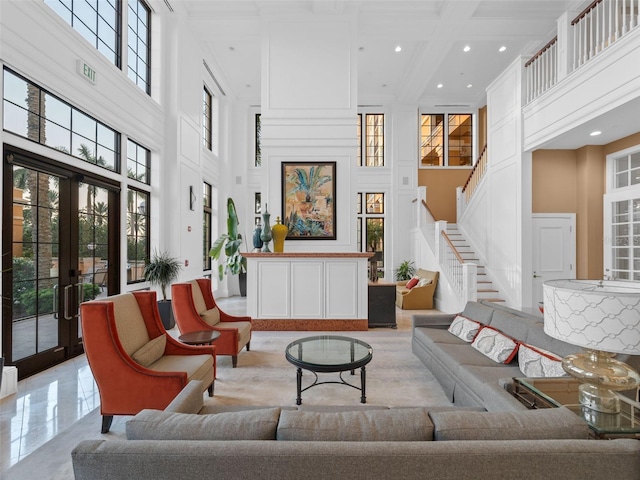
478	312
198	299
424	281
150	351
132	330
512	325
246	425
211	316
410	424
537	362
543	424
464	328
495	345
412	283
537	337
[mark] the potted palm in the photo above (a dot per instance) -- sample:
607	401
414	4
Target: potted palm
235	263
405	270
162	270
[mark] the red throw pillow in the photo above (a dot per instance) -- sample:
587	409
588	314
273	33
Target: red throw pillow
412	283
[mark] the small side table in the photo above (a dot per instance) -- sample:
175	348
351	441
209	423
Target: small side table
382	304
201	337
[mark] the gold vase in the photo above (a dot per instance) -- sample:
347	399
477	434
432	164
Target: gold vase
279	233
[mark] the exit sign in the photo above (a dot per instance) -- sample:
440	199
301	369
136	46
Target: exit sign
86	71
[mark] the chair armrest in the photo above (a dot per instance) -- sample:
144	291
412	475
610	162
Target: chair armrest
189	400
225	317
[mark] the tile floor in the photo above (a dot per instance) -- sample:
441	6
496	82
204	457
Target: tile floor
51	401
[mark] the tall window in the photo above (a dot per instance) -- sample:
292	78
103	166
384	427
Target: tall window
97	21
258	140
622	216
370	215
138	43
371	140
446	140
138	162
207	124
137	234
207	215
34	113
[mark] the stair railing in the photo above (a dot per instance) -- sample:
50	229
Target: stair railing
461	275
464	194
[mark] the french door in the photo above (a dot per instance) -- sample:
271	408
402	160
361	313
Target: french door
60	248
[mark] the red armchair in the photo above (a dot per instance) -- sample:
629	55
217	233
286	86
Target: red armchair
134	362
194	309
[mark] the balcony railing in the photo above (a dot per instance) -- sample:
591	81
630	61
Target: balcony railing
542	70
597	27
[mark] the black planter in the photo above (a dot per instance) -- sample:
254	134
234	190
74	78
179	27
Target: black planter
166	314
242	282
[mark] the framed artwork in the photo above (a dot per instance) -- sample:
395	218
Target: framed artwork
309	200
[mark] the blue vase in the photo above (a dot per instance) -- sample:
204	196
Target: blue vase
257	241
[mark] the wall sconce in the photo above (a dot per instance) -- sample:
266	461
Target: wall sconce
192	198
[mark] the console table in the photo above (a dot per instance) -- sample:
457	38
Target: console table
382	304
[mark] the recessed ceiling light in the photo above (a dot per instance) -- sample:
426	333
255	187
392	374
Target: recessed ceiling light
469	85
398	48
595	133
439	85
466	48
502	48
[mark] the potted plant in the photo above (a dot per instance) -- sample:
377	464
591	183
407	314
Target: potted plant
405	270
235	263
162	270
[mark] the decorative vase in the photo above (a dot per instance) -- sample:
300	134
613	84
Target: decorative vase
257	241
265	236
279	232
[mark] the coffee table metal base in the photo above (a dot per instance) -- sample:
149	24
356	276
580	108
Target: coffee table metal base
362	387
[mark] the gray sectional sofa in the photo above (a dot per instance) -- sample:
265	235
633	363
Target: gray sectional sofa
187	440
467	376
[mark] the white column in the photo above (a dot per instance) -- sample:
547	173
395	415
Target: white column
469	282
441	225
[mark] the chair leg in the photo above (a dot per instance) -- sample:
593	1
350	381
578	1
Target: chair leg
234	361
106	423
210	389
248	345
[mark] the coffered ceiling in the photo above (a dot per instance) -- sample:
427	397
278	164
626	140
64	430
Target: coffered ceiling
432	35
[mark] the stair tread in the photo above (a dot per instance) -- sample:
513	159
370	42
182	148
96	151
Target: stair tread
495	300
487	290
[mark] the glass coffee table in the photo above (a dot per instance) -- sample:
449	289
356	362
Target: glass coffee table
329	353
563	391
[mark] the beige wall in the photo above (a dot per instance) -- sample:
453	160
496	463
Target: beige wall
573	181
442	183
441	186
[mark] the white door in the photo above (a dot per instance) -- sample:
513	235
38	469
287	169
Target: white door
554	249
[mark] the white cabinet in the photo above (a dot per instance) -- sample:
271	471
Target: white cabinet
331	286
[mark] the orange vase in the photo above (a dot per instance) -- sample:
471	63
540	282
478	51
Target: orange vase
279	233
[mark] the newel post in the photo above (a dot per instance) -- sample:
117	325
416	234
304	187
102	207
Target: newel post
469	282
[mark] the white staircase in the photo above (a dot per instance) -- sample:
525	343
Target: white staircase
485	287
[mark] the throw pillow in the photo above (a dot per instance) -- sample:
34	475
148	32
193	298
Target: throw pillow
246	425
537	362
211	317
495	345
394	425
424	281
464	328
151	351
412	283
542	424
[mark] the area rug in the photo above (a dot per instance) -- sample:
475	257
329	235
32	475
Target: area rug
395	377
